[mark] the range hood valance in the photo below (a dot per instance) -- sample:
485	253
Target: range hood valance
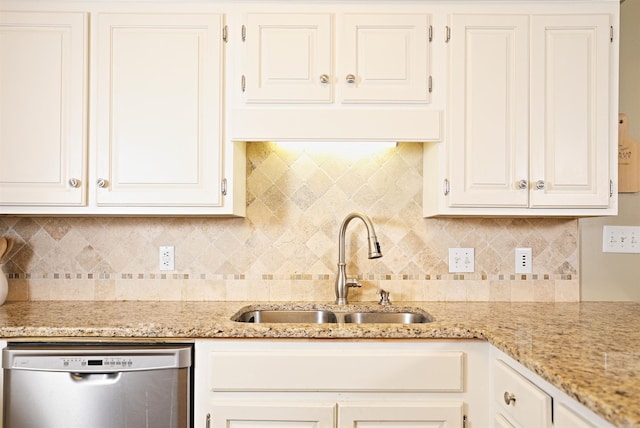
283	124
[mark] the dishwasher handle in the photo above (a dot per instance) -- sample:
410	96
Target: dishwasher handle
95	378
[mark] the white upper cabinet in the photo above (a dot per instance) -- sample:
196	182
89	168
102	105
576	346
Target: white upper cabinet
489	110
159	103
289	58
335	73
384	58
43	111
381	58
570	111
532	98
148	139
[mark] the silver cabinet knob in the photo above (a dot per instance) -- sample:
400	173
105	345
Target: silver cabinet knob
509	398
324	78
523	184
101	183
351	78
540	185
74	182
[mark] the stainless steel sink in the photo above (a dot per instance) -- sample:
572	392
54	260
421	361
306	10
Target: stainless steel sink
289	316
385	317
325	316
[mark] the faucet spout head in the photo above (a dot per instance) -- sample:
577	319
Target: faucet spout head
374	248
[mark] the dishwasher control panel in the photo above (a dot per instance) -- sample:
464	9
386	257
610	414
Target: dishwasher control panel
94	359
88	363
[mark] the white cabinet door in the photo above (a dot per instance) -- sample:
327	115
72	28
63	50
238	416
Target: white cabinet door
384	58
400	414
254	414
159	109
289	58
488	155
570	111
529	120
43	108
380	58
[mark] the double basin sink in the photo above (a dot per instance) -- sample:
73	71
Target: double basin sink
326	316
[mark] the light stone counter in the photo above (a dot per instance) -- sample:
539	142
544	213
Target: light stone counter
589	350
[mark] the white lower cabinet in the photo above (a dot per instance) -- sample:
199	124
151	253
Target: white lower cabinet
522	399
330	414
346	384
401	414
256	414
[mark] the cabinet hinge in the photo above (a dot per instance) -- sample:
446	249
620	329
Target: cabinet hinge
430	33
611	34
243	83
208	421
244	33
225	34
223	187
464	421
447	34
430	84
446	186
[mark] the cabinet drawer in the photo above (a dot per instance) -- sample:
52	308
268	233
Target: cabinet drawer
530	406
335	370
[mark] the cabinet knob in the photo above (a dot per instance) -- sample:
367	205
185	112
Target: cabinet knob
351	78
74	182
101	183
509	398
523	184
324	78
540	185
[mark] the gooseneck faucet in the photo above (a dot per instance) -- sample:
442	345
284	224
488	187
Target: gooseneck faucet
342	285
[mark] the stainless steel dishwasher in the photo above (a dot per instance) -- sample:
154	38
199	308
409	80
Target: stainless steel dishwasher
97	386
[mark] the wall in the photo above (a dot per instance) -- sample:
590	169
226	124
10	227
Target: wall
287	246
609	276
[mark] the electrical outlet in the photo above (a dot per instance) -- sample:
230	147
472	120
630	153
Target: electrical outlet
524	262
461	260
167	261
621	239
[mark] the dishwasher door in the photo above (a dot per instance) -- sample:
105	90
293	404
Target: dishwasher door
97	386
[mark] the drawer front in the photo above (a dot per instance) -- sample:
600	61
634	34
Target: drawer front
519	399
326	370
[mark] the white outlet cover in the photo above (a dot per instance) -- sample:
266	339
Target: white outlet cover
166	258
461	260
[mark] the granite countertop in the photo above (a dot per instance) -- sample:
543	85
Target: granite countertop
589	350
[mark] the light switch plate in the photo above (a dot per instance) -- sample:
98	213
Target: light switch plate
621	239
461	260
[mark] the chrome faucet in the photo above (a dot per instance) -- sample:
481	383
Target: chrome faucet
342	285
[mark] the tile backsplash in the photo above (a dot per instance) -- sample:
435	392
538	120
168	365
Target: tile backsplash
287	246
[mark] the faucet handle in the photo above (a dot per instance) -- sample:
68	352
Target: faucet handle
352	281
384	297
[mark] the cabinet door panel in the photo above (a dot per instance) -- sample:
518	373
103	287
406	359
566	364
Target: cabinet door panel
388	56
400	415
43	79
271	414
489	110
159	109
286	56
570	110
